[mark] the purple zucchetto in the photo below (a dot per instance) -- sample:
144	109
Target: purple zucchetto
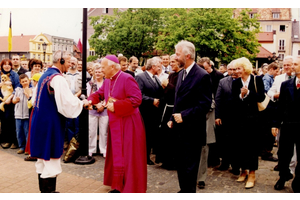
112	58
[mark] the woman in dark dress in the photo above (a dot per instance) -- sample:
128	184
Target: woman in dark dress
246	119
8	127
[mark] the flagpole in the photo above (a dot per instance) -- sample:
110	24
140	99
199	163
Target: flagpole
9	38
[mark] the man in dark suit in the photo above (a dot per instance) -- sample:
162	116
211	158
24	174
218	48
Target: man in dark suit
152	91
17	65
192	102
288	119
224	119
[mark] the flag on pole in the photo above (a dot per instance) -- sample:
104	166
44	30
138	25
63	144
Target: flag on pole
79	45
9	36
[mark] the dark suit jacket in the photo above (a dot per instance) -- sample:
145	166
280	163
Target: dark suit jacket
193	98
288	104
216	76
150	91
246	110
130	72
22	71
224	100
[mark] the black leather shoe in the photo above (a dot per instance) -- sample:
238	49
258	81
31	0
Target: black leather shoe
168	167
276	168
270	158
223	167
235	172
114	191
289	177
296	185
280	184
201	185
149	162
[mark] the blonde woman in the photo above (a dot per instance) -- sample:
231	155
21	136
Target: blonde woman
246	119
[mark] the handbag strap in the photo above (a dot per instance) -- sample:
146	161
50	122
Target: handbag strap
255	84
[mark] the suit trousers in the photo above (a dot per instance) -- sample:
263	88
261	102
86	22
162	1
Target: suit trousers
289	138
202	171
294	158
187	168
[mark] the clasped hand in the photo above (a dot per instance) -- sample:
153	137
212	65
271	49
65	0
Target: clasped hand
274	131
87	104
244	91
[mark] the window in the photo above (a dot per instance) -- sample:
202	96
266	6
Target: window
33	55
39	56
105	10
48	58
92	53
39	47
275	15
298	52
281	45
251	15
268	28
282	28
281	56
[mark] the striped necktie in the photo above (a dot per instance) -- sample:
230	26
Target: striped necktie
184	74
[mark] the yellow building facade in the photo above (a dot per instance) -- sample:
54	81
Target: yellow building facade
36	48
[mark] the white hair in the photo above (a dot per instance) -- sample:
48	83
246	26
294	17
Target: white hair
187	48
116	65
57	55
231	64
173	55
289	57
97	66
152	61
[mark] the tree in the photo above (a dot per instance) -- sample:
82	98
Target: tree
213	31
132	32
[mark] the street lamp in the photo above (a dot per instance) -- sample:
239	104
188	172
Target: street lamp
44	48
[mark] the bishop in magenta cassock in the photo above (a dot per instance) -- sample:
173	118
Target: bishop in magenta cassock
125	164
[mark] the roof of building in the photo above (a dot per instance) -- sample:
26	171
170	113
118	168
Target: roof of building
265	37
263	53
295	32
75	48
19	43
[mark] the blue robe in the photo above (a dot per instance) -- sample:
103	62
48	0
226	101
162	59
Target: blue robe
47	124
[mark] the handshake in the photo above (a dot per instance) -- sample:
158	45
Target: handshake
87	104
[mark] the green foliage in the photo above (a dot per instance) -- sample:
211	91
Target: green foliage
132	32
91	58
213	31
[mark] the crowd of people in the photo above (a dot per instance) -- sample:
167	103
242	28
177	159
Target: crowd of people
172	108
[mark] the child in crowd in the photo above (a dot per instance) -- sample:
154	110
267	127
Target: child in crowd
31	100
22	112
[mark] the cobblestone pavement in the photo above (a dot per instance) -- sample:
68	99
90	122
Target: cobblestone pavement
88	178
